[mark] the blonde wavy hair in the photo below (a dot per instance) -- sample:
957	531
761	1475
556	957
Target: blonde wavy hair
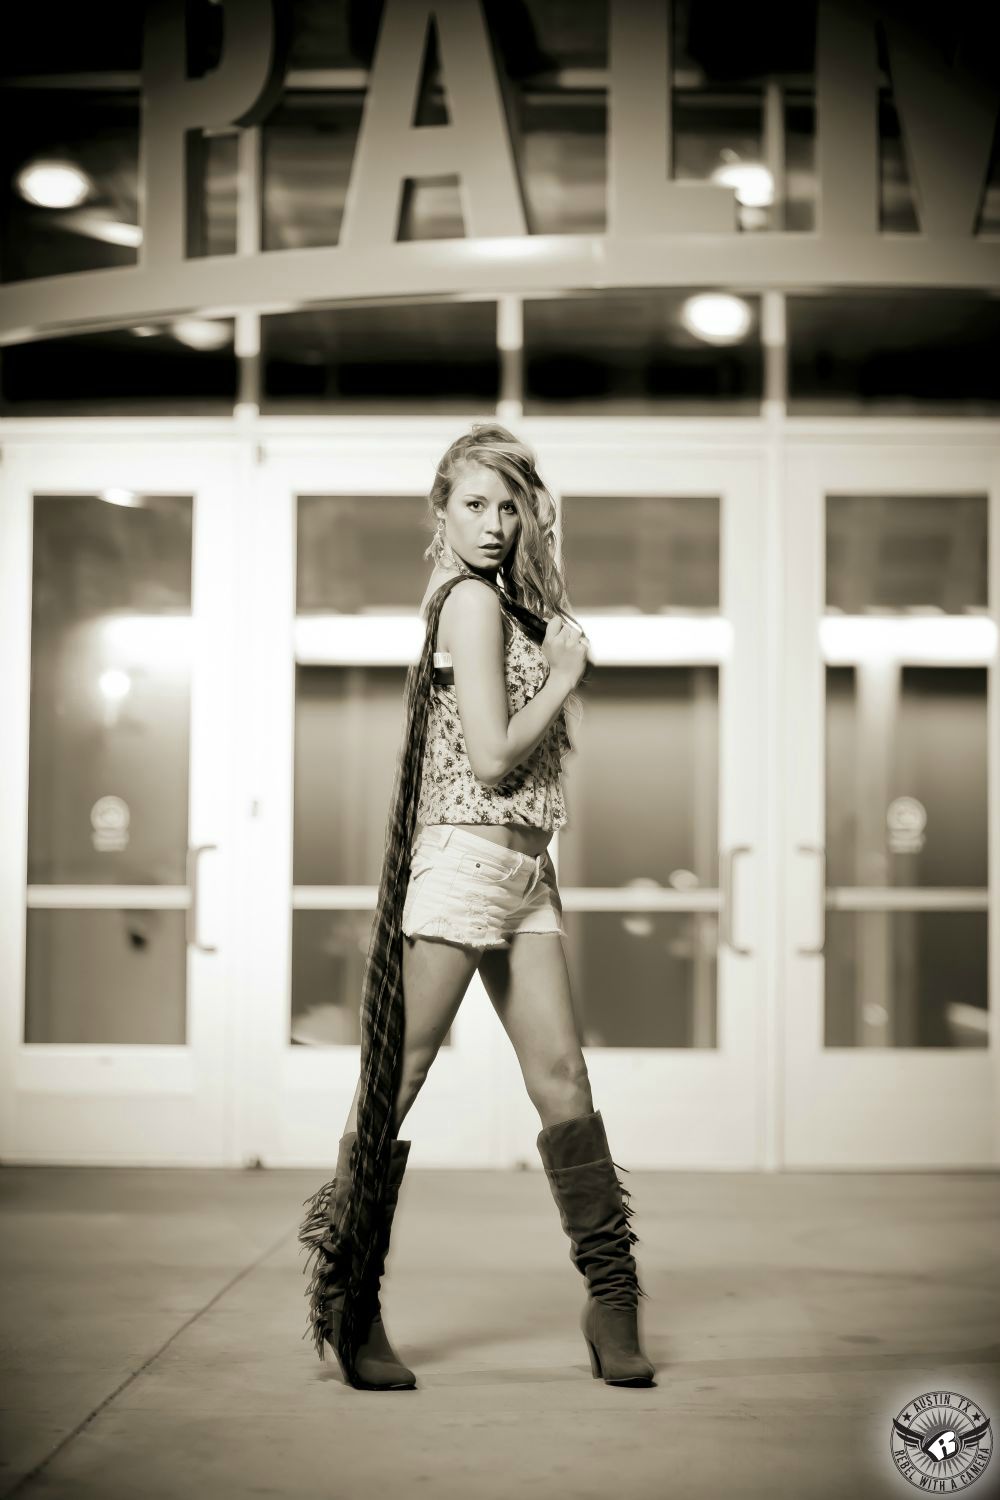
531	576
530	573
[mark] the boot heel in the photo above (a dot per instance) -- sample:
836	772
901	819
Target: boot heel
595	1362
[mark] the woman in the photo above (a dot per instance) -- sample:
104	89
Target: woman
479	771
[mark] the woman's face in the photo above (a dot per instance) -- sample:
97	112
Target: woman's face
480	512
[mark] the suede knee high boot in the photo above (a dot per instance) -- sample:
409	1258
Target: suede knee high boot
323	1231
589	1197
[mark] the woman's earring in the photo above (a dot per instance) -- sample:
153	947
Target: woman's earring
443	551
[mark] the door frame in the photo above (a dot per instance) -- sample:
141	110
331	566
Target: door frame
869	1108
96	1103
310	1089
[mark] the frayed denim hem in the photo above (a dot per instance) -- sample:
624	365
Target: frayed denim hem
436	934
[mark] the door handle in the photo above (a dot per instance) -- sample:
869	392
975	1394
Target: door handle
726	914
191	914
821	851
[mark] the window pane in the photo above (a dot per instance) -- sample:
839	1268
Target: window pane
557	33
307	148
348	730
147	368
329	950
897	351
361	554
349	725
332	34
106	976
629	352
214	175
642	793
670	959
906	979
643	554
902	552
110	690
108	755
907	777
800	162
417	357
563	157
713	131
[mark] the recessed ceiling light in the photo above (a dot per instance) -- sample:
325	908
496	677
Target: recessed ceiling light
53	184
200	333
716	317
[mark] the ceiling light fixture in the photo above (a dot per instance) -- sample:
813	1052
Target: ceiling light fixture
199	333
53	184
716	317
753	182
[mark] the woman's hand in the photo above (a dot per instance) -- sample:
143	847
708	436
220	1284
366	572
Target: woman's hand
565	648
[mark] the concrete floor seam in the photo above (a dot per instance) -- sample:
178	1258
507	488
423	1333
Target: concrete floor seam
70	1437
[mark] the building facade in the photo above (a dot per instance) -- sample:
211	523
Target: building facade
736	278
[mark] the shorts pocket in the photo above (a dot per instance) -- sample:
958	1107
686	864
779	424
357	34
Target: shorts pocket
478	866
420	863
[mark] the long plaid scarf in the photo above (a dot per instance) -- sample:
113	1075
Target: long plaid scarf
382	1005
354	1241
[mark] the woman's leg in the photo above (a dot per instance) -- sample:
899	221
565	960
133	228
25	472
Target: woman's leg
528	985
436	975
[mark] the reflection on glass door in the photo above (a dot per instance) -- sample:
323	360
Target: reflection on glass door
117	1013
888	1000
644	792
108	759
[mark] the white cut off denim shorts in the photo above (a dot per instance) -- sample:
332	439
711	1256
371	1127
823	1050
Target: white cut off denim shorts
468	890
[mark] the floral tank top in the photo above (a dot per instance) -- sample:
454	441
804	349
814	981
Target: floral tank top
531	792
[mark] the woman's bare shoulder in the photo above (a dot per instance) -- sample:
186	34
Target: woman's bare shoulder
484	598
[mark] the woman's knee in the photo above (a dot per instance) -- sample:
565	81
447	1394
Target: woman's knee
562	1087
417	1063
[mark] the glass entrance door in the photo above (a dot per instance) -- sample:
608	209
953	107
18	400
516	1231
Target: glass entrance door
338	537
117	660
890	736
662	863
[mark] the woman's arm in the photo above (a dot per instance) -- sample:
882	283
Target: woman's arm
496	743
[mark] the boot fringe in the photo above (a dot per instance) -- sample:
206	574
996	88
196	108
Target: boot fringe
326	1247
628	1210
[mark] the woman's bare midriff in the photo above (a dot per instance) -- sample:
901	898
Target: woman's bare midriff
521	837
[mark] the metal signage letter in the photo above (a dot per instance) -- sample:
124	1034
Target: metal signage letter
641	199
947	114
847	153
476	143
244	87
